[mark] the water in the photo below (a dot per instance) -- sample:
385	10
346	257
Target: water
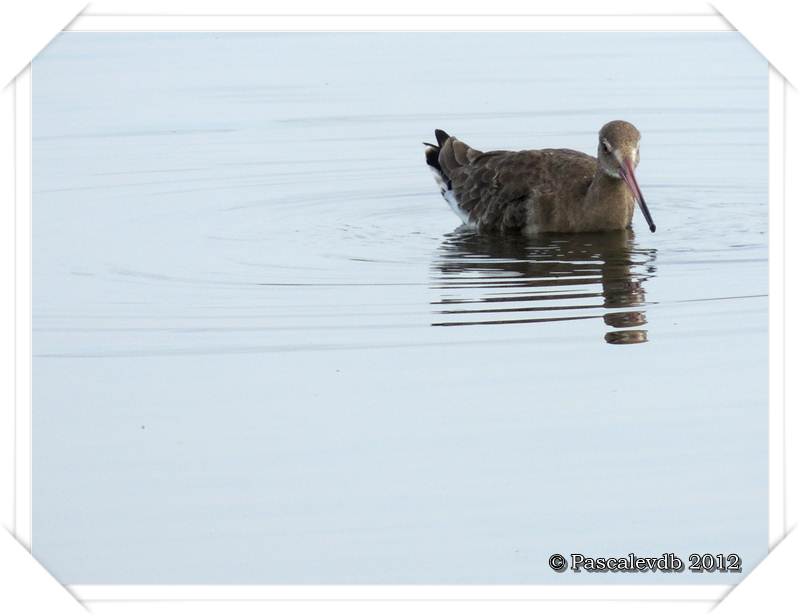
264	353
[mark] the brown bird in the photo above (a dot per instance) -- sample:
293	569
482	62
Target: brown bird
542	191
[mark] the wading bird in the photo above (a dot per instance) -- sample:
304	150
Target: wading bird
542	191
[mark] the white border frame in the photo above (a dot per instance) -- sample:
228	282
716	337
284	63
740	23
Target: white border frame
340	23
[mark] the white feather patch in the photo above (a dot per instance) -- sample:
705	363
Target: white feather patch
451	201
449	196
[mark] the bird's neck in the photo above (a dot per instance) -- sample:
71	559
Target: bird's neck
609	201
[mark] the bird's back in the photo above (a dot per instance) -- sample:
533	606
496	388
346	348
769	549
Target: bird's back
511	191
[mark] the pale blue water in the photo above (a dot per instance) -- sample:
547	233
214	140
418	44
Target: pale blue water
263	354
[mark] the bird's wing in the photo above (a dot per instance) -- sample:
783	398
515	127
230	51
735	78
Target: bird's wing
495	189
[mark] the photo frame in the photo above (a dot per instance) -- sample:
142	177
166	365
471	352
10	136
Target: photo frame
104	598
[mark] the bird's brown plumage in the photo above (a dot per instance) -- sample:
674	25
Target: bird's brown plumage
550	190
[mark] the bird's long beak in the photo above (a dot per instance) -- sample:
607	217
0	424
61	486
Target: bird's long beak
626	171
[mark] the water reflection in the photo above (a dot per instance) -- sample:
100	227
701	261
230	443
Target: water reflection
485	280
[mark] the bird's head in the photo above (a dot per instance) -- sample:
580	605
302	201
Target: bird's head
618	156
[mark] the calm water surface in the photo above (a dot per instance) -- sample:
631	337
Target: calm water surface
265	353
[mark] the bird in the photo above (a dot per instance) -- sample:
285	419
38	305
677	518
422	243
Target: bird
542	191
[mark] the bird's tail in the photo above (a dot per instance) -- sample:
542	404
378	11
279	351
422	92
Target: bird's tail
432	159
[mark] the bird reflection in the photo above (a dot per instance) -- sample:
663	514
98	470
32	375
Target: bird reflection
486	280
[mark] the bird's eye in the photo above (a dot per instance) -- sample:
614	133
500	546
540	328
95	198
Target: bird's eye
606	146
